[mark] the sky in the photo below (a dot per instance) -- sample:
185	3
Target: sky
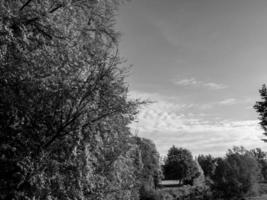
201	63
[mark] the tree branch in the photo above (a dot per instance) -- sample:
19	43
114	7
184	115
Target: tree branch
29	1
56	8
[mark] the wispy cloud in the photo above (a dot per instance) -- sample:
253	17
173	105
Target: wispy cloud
229	101
192	82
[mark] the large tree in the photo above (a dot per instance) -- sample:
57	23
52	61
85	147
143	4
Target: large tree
64	110
179	165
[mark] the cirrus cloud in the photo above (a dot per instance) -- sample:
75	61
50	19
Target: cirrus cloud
192	82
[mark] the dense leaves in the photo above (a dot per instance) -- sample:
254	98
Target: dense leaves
208	164
150	174
180	165
236	175
261	108
261	158
64	111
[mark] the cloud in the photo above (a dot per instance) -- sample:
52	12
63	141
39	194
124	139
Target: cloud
229	101
192	82
168	124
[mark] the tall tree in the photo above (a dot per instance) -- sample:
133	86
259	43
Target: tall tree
64	110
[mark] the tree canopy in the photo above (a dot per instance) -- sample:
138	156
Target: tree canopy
236	175
179	165
208	164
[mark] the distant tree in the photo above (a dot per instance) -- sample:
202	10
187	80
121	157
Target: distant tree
261	157
259	154
236	175
208	164
179	165
261	109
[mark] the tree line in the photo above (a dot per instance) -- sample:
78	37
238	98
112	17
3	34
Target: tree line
236	175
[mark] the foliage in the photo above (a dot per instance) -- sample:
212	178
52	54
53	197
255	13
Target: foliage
200	179
207	163
260	108
186	192
64	111
236	175
180	165
261	158
150	174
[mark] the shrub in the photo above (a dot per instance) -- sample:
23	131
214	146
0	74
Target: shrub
147	193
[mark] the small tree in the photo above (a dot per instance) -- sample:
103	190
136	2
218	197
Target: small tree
179	165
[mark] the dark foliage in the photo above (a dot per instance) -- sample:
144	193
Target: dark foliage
180	165
208	164
261	108
236	176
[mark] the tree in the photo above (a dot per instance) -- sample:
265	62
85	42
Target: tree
261	158
207	163
236	175
150	173
64	111
179	165
261	109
